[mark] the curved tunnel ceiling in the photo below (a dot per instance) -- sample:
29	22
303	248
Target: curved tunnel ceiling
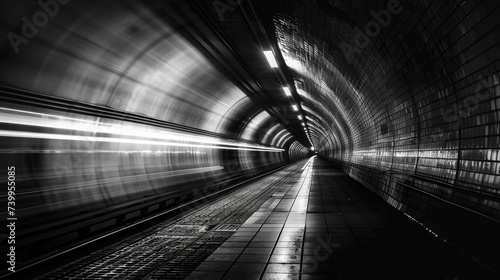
161	75
395	77
389	87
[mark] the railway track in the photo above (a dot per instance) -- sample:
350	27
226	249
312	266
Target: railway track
171	248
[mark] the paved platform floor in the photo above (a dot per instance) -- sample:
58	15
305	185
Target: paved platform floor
324	225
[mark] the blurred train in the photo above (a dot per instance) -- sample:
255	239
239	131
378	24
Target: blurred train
68	165
108	107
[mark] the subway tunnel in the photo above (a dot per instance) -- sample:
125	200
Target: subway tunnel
114	112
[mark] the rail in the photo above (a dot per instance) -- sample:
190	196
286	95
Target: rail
113	217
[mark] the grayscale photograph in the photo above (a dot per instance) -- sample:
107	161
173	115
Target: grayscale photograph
250	139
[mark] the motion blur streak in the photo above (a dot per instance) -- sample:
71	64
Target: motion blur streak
60	122
35	135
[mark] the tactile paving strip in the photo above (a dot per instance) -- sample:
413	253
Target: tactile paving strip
228	227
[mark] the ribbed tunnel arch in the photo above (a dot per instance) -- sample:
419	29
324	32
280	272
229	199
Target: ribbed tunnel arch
106	104
407	92
394	92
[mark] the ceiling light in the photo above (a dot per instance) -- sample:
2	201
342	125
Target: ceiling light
300	117
270	58
287	91
295	107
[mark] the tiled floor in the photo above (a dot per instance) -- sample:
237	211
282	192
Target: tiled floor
324	225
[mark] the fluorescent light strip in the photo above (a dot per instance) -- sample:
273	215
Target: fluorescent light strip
37	135
287	91
60	122
270	58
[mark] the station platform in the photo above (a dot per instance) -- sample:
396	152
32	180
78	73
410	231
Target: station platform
307	221
325	225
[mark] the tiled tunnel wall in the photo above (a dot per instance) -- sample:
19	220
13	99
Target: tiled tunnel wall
415	109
